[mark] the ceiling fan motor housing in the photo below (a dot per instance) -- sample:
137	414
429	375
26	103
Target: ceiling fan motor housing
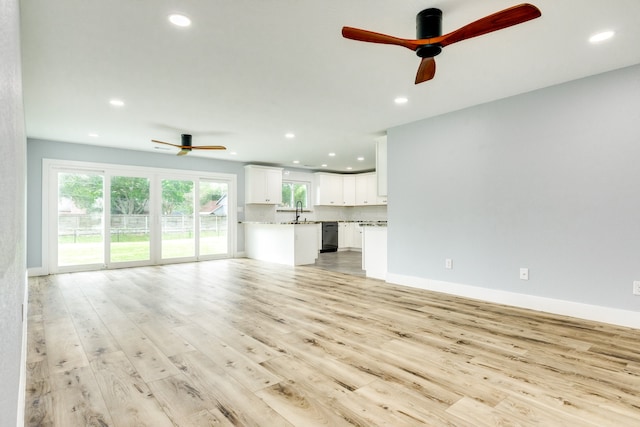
429	25
186	140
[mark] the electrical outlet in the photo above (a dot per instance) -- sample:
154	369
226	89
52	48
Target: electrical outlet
636	287
524	274
448	263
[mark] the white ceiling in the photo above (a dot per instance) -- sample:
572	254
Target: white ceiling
246	72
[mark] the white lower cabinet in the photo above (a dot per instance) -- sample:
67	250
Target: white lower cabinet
349	235
357	236
342	235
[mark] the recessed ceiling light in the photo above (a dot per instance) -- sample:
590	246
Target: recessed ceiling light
94	135
360	159
332	154
324	165
600	37
401	100
296	162
179	20
349	168
117	103
289	135
233	153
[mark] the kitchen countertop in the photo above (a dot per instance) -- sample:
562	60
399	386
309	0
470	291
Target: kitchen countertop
281	223
362	223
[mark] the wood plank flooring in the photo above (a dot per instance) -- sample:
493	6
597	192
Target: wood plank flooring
245	343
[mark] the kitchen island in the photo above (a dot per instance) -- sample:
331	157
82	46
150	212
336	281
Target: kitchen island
288	243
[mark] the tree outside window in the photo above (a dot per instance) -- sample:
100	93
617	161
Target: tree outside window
293	192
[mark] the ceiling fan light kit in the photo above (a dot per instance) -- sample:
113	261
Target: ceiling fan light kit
186	144
428	26
430	40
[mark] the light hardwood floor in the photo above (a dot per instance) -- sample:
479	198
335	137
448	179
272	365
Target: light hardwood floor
246	343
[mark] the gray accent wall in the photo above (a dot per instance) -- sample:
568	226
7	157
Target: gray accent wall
12	222
38	150
548	180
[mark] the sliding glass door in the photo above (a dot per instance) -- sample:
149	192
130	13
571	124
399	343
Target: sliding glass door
129	222
177	224
111	217
80	220
213	218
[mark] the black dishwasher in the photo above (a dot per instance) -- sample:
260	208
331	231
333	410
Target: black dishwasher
329	236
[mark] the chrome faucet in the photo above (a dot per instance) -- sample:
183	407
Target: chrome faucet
298	203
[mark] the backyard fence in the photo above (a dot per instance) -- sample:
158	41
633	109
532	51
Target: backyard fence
78	226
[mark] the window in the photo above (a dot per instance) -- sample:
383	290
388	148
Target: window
295	191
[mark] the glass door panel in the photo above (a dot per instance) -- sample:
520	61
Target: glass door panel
213	209
129	223
80	219
177	224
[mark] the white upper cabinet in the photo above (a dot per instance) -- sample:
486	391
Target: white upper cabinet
263	185
381	167
366	189
349	190
329	190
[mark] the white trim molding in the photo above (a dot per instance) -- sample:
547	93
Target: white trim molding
566	308
37	271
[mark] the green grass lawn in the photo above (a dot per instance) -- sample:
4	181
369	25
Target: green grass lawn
90	249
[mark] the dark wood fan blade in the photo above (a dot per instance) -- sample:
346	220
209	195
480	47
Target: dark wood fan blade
209	147
186	148
497	21
372	37
426	70
166	143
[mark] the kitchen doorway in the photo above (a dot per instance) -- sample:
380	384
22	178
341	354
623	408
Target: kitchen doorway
347	262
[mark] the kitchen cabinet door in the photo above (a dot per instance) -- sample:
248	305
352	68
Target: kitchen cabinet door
349	190
263	185
343	235
329	191
381	167
356	236
366	189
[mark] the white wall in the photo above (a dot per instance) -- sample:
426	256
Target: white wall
548	180
12	223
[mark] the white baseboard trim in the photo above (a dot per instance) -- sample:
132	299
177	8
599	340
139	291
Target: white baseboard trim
37	271
22	397
566	308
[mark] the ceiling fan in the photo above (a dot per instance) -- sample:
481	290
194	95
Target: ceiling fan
186	147
430	40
